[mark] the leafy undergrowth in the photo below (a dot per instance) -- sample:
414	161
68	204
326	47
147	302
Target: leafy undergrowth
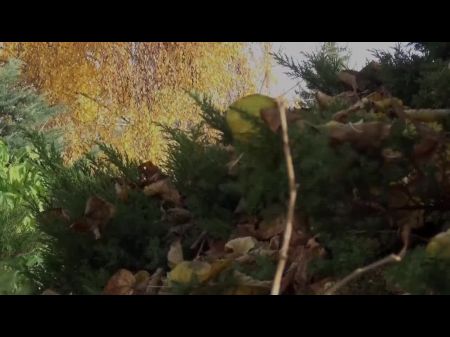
20	183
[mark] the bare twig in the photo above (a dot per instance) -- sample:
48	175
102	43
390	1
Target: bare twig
93	100
384	261
291	207
199	239
263	81
233	163
427	114
290	89
202	244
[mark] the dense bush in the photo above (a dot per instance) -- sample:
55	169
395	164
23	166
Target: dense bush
20	184
21	108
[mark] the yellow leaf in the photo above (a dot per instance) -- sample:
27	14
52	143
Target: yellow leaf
175	254
241	127
241	245
218	266
188	271
439	246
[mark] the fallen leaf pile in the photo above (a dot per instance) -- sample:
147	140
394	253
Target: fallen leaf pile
217	259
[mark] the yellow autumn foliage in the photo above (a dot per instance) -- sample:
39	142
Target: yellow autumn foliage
115	92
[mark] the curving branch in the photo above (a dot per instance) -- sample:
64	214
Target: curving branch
291	206
384	261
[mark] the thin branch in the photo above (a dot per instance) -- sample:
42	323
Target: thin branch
291	207
93	99
384	261
199	239
427	114
125	119
290	89
262	83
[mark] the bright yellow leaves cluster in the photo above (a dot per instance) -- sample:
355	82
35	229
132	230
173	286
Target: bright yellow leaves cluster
115	92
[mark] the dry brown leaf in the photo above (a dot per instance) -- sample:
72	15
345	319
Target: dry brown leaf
391	155
427	146
178	215
175	254
53	214
264	249
361	136
122	190
342	115
349	78
321	286
142	278
180	230
241	245
271	117
271	226
216	248
165	190
324	100
296	261
97	214
245	229
298	238
315	249
149	173
375	96
364	105
398	199
121	283
99	210
275	242
347	97
296	277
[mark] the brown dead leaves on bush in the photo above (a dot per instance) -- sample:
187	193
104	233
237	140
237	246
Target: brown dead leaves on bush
96	216
99	212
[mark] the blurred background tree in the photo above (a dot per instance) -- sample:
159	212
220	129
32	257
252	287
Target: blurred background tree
115	92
